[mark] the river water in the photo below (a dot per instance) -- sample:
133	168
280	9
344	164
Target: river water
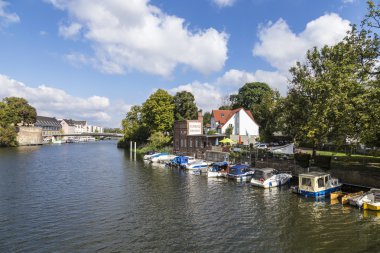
92	197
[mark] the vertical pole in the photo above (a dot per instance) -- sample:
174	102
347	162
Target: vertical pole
135	150
130	149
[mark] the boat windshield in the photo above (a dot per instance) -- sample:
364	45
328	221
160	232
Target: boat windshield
306	181
262	175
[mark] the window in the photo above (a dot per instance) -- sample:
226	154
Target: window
222	115
326	179
321	182
306	181
196	142
184	143
191	143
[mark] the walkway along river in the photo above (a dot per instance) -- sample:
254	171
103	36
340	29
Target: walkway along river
92	197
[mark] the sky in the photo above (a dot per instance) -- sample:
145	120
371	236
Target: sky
93	59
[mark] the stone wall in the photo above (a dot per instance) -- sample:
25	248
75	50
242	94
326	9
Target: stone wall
29	136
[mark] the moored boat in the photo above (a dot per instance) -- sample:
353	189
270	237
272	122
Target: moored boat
197	165
217	169
269	177
240	173
369	200
316	184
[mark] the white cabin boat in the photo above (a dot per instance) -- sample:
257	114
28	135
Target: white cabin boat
317	184
217	169
197	165
268	177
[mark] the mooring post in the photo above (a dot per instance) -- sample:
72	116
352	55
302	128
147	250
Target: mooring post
130	149
135	150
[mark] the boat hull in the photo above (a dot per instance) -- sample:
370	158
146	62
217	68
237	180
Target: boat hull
371	206
319	193
241	179
272	182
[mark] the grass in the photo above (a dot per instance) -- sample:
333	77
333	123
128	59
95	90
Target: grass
338	154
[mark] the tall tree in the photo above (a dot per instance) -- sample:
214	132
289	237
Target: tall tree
184	106
158	112
17	110
249	95
328	101
133	127
206	118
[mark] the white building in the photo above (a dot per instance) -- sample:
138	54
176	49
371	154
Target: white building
242	122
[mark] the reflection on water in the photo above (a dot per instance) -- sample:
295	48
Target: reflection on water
93	197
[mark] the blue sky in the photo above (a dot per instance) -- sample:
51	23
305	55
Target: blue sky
93	59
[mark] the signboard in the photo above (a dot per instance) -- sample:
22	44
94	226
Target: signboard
195	128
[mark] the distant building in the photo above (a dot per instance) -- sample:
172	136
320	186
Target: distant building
70	126
49	126
244	127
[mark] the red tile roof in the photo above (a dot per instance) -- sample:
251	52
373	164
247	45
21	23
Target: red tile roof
222	116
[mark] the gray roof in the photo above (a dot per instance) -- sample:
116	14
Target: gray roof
314	174
71	122
47	121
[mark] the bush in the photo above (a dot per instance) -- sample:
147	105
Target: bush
302	159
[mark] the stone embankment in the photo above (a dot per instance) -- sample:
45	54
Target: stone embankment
29	136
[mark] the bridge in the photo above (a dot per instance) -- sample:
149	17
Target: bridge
90	134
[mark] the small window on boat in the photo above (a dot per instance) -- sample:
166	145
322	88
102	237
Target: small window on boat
321	183
326	179
306	181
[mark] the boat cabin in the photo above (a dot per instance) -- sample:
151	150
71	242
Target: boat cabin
239	169
264	174
219	166
314	182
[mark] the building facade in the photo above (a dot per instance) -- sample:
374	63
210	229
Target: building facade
244	127
188	137
49	126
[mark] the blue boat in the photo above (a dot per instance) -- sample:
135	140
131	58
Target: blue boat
181	161
315	184
240	173
217	169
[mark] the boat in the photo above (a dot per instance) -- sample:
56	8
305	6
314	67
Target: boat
336	195
154	156
181	161
217	169
316	184
161	157
269	177
344	199
54	141
240	173
369	200
149	155
196	165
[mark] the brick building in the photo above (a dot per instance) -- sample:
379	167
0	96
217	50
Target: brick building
188	137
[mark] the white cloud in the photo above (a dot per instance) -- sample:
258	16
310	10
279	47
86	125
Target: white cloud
70	31
207	96
6	17
57	103
348	1
237	78
137	35
282	48
224	3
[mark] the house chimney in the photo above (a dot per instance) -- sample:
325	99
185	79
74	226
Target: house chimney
200	116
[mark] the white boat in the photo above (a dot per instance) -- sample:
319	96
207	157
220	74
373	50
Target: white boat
371	197
197	165
269	177
162	157
240	173
316	184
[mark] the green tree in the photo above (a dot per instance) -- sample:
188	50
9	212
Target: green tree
158	112
184	106
159	140
206	118
229	130
329	97
133	127
8	136
17	110
249	95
